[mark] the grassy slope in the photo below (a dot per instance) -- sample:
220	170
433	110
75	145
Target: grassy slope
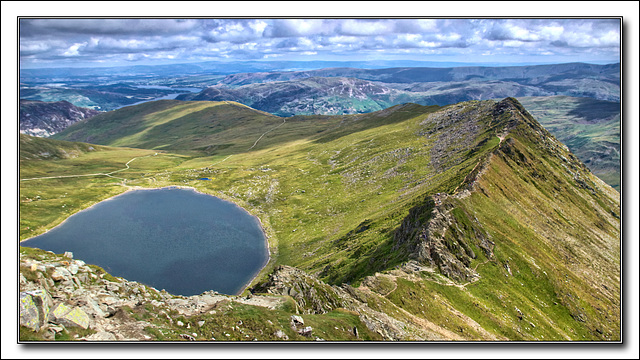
589	127
333	191
45	203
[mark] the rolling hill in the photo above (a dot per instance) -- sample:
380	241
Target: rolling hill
464	222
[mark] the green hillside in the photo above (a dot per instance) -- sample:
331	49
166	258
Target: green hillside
465	222
589	127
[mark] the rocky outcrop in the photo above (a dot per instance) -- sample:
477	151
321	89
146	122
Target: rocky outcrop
310	294
39	118
59	294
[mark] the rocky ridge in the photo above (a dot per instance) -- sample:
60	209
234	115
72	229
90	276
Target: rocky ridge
38	118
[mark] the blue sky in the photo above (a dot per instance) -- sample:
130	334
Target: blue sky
109	42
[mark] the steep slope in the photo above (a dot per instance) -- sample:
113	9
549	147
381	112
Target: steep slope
589	127
32	148
39	118
175	125
464	222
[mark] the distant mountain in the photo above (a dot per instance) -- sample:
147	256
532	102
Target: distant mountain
589	127
40	118
576	79
340	95
99	97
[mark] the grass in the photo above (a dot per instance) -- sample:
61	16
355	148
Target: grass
332	191
589	127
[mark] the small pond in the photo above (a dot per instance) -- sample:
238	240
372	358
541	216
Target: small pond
171	238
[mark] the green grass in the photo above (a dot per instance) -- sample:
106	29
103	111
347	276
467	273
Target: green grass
332	192
589	127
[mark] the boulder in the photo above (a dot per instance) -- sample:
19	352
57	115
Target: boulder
101	336
306	331
296	320
35	306
281	335
29	316
73	268
60	274
70	316
68	254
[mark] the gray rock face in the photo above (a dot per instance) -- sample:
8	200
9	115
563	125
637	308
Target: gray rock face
39	118
70	316
34	309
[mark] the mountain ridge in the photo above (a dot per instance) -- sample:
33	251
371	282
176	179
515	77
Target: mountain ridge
465	222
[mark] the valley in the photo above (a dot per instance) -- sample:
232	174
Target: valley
462	222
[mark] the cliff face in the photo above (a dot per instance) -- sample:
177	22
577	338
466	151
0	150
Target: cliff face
38	118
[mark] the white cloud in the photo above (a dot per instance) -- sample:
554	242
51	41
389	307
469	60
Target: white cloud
73	49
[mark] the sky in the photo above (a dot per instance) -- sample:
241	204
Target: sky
58	42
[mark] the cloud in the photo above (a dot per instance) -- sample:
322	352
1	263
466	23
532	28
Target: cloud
75	41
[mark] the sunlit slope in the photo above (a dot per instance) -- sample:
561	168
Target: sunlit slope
206	127
534	234
589	127
59	178
469	219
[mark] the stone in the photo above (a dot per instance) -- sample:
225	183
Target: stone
200	323
35	307
281	335
70	316
73	269
187	337
306	331
101	336
111	286
179	323
29	315
60	274
68	254
296	320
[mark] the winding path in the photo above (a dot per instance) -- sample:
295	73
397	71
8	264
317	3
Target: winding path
97	174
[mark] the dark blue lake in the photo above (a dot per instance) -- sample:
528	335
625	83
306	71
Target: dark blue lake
174	239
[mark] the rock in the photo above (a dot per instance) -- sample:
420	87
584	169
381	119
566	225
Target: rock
355	331
73	269
179	323
101	336
306	331
56	328
68	254
70	316
281	335
187	337
60	274
111	286
296	320
200	323
35	307
29	316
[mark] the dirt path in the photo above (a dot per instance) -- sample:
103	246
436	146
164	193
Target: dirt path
97	174
265	133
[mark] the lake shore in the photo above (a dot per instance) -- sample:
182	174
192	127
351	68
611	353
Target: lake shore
224	198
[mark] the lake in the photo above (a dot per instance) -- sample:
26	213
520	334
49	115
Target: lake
171	238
